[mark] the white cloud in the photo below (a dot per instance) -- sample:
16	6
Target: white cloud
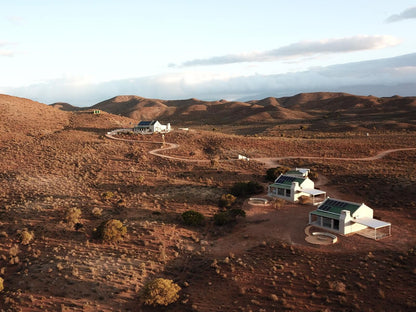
383	77
302	49
4	50
406	14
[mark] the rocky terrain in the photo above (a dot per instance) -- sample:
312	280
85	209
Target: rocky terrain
62	177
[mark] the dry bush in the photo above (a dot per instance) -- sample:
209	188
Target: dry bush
72	216
226	200
26	237
110	231
160	291
97	212
1	284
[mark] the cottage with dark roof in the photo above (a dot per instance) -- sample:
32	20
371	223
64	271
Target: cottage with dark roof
294	186
151	126
346	217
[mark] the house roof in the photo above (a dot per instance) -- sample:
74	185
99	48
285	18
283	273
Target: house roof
145	123
326	214
337	205
288	180
303	172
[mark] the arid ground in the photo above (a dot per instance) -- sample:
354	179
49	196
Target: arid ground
53	160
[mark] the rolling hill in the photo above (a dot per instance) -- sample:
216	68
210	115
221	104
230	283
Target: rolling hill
318	109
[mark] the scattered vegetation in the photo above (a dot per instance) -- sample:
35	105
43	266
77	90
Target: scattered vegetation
228	216
73	216
26	237
193	218
227	201
110	231
160	292
244	189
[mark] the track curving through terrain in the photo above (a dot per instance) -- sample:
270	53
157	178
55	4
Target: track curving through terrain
269	162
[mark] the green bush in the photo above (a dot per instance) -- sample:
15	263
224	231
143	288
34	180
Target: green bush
222	218
193	218
226	200
237	212
273	173
229	216
313	175
246	188
160	291
110	231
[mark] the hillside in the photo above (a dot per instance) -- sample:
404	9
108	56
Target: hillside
322	110
22	117
62	177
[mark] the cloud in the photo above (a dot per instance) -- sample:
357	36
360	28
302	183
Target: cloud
4	51
382	77
302	49
406	14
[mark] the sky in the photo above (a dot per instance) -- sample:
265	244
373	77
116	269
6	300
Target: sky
86	51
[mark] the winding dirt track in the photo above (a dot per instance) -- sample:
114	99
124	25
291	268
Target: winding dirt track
269	162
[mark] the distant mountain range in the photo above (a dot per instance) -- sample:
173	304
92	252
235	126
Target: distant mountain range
303	107
318	110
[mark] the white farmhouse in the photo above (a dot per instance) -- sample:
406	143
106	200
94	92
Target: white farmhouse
152	126
346	217
294	184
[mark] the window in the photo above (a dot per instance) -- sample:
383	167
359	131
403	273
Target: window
273	190
288	193
281	192
326	222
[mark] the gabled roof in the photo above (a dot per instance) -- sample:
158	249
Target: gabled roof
288	180
303	172
145	123
337	205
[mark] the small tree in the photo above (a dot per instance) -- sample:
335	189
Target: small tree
246	188
110	231
273	173
160	291
226	200
193	218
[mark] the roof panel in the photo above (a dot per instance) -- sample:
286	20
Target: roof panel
372	223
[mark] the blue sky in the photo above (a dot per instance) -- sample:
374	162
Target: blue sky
83	52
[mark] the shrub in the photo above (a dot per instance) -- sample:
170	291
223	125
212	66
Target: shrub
226	200
160	291
107	195
237	212
313	175
97	212
26	237
72	216
110	231
222	218
246	188
193	218
273	173
1	284
229	216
